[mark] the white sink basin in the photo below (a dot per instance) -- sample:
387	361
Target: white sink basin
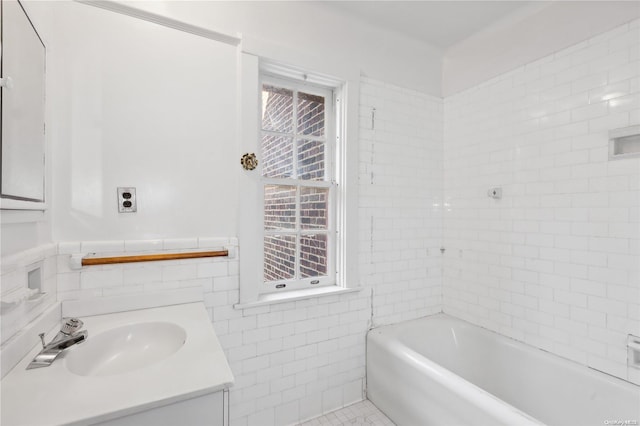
132	362
126	348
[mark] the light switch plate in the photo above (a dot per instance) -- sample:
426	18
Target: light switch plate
127	202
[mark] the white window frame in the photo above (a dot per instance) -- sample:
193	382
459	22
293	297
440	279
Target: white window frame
251	197
330	141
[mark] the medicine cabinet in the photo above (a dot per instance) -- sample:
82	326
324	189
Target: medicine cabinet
22	100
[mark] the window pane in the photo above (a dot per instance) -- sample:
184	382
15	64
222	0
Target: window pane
310	114
279	257
277	109
311	160
313	256
279	207
277	156
314	208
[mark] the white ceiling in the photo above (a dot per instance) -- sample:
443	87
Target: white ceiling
439	23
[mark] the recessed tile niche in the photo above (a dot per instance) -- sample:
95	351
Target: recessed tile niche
624	143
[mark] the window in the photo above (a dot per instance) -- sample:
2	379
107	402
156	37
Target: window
298	210
298	144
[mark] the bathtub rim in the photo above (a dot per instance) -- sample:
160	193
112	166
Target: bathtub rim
392	336
463	388
512	340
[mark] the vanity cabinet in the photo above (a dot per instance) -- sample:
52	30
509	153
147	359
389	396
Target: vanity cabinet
211	409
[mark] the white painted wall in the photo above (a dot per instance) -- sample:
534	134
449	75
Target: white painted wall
137	104
22	231
130	112
533	33
322	38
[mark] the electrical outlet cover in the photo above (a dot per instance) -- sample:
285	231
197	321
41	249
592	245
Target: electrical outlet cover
127	202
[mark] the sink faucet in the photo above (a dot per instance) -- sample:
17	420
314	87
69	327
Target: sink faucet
66	337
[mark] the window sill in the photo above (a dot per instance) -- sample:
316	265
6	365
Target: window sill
290	296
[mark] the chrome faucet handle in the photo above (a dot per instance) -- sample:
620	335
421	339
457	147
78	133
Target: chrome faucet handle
42	340
71	325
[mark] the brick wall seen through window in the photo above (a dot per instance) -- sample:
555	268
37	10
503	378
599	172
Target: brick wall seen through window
297	184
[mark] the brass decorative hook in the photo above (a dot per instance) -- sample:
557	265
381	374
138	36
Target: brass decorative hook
249	161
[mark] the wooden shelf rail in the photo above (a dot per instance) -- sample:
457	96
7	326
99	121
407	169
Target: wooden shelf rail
86	261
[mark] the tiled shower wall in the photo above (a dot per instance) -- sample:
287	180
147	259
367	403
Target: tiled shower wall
554	262
400	193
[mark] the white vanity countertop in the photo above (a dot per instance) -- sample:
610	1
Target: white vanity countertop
53	395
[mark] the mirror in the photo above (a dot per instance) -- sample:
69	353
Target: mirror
22	138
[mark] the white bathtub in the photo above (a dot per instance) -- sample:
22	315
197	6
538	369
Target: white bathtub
443	371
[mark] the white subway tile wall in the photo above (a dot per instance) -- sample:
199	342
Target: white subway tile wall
400	199
144	277
16	311
555	262
292	361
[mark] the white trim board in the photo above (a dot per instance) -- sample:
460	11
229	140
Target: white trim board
161	20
